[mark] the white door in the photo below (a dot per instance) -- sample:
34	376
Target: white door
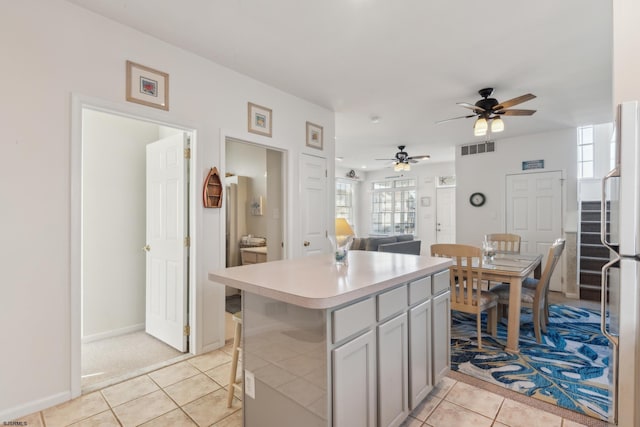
534	211
167	267
313	175
446	215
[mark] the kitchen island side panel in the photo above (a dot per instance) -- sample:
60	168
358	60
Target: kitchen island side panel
285	348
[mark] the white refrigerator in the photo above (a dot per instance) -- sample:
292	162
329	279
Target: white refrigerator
621	276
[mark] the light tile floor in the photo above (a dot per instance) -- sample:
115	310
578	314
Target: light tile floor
193	393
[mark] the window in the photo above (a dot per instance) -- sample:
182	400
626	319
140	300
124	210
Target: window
585	152
393	209
344	201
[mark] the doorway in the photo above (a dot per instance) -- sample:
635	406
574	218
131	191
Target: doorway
114	300
254	205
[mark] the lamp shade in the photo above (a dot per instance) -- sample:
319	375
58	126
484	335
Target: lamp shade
497	125
480	127
343	228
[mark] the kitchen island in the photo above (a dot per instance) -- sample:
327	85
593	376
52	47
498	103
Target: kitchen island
335	345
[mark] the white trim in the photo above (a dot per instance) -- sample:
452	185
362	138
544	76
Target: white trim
78	103
35	406
113	333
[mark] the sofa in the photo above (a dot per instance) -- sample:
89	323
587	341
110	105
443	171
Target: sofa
400	244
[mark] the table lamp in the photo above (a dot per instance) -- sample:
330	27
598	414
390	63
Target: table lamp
343	230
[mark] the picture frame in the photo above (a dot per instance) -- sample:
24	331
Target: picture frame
147	86
259	119
314	136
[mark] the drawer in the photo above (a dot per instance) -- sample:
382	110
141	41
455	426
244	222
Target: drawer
392	302
354	318
441	282
419	290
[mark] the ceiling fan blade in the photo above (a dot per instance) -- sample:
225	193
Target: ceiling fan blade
387	160
414	159
515	101
516	112
470	106
455	118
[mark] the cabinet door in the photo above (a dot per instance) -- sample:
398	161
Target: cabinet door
354	382
441	335
393	377
420	382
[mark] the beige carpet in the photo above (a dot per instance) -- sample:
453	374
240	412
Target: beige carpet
115	359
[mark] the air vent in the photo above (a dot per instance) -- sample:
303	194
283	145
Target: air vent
483	147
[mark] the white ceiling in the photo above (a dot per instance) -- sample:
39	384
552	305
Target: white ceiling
405	61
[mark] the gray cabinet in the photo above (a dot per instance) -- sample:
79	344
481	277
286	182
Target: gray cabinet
354	382
441	336
420	379
393	376
389	350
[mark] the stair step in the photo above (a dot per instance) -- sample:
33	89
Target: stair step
593	216
594	251
592	264
589	293
592	227
590	278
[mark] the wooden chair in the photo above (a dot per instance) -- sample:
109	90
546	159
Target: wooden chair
534	297
532	283
464	295
507	243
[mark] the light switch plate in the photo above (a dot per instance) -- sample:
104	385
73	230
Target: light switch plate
249	384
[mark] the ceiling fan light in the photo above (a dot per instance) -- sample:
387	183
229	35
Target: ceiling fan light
397	167
406	166
497	125
480	127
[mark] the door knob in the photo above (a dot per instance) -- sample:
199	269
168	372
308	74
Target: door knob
307	243
146	248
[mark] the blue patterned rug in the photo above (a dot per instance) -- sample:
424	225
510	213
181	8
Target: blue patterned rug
569	369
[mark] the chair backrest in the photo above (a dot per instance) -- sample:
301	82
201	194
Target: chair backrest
555	251
461	275
507	243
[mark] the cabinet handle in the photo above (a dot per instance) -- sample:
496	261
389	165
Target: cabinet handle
146	248
307	243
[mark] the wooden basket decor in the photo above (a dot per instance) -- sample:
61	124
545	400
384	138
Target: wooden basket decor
212	190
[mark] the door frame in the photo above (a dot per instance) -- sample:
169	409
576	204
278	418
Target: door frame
78	104
251	140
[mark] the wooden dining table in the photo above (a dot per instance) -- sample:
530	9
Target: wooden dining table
511	269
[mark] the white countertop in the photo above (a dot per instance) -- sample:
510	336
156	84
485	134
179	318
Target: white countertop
317	282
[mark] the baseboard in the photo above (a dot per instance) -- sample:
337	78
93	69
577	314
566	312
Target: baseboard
113	333
572	295
35	406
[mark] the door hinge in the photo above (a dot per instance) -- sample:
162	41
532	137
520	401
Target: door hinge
187	330
187	153
187	241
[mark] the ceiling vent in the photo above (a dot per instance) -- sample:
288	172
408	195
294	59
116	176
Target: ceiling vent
483	147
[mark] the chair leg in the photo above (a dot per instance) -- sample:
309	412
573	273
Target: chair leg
479	327
234	362
537	314
492	321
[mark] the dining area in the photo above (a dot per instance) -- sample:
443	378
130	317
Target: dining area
497	279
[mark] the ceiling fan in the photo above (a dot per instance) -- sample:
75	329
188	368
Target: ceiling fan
489	109
402	159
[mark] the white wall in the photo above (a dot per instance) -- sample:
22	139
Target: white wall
426	179
56	50
114	222
486	173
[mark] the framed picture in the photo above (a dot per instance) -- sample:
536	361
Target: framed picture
314	136
147	86
259	119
